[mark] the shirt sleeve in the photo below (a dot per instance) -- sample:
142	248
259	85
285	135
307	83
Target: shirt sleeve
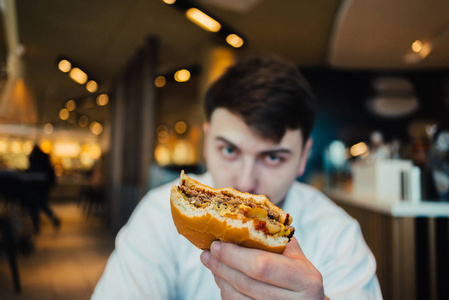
143	265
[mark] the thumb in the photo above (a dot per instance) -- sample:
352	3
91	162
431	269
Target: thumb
293	249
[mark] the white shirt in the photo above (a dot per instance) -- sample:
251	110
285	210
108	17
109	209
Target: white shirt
152	261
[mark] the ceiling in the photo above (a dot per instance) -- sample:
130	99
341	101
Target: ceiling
102	36
379	34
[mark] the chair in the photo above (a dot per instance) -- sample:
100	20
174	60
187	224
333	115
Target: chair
8	239
11	192
11	187
94	200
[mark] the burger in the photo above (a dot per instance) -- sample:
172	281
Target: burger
203	214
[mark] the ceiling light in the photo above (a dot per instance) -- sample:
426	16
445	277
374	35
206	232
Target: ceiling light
71	105
169	1
77	75
64	113
161	128
182	75
48	128
162	139
102	100
64	65
234	40
180	127
393	106
160	81
92	86
162	134
203	20
426	49
419	52
83	121
96	128
358	149
417	46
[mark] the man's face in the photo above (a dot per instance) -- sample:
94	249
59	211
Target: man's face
238	158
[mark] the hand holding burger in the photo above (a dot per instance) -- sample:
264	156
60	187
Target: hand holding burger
243	273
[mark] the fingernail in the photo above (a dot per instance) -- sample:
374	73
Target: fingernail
204	257
215	248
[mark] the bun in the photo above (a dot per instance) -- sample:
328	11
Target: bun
203	214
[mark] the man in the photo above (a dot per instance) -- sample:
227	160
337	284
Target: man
40	178
259	118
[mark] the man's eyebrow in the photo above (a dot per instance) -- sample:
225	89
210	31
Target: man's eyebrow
266	152
276	151
219	138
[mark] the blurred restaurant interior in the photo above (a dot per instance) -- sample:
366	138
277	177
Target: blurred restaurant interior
112	92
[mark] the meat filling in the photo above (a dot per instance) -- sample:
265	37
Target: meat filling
265	219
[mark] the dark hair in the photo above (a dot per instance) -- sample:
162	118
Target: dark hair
269	93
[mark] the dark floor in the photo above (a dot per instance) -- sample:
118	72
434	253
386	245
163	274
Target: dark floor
65	263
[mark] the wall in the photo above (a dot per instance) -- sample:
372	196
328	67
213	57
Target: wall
342	97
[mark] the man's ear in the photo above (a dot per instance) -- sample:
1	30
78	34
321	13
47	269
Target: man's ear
304	156
206	127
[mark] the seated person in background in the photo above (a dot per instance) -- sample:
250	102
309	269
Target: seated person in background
40	178
259	118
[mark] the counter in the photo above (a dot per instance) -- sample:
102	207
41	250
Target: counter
408	240
393	208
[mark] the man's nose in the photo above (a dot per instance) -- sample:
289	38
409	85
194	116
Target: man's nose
247	181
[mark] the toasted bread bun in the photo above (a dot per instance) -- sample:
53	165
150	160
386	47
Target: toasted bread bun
203	225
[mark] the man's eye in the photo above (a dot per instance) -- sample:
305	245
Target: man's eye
229	152
273	160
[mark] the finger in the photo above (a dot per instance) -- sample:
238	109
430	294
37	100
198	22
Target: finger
227	291
293	249
242	283
275	269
